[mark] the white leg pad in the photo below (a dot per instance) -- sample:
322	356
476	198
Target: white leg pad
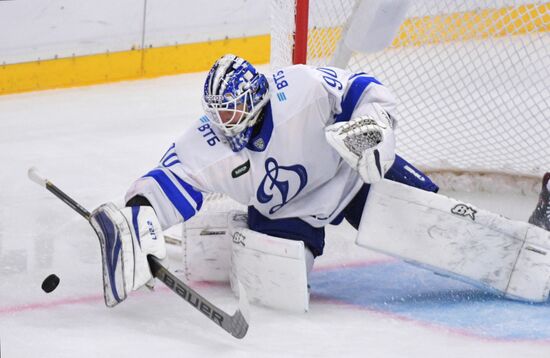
457	239
206	246
272	270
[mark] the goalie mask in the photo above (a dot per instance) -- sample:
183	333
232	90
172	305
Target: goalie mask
234	94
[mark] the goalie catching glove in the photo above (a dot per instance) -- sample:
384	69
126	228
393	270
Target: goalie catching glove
127	236
366	143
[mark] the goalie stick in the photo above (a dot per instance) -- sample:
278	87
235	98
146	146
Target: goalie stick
236	325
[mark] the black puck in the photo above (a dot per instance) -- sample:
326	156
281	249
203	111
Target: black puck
50	283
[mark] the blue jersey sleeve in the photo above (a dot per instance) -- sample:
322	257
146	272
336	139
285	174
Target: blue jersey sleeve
175	197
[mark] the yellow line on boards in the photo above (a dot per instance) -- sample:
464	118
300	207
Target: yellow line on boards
185	58
459	26
69	72
127	65
480	24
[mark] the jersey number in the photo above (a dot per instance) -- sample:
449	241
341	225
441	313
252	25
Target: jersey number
330	77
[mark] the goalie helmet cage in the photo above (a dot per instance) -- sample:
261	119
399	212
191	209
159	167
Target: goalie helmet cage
472	77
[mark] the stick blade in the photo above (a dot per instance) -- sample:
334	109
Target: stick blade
239	325
244	307
239	321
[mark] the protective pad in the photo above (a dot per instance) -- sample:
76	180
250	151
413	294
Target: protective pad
206	246
126	236
272	270
457	239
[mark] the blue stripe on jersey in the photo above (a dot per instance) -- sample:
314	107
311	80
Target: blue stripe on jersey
355	75
195	194
353	95
173	193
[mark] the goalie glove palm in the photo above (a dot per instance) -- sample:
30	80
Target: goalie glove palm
366	143
127	236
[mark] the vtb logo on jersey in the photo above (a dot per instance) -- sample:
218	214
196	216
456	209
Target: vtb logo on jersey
281	184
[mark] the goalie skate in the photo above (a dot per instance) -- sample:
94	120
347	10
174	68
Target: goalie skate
541	214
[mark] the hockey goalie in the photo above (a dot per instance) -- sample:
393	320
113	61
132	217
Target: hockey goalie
304	148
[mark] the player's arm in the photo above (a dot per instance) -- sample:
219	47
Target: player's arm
156	201
362	131
169	190
173	198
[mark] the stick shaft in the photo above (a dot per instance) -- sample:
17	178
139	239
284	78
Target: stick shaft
36	177
68	200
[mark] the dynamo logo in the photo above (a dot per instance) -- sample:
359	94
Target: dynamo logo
281	184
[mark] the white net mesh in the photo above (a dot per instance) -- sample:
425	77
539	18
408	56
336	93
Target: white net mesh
472	78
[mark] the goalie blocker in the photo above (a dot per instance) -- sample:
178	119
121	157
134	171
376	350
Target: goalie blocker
457	239
127	236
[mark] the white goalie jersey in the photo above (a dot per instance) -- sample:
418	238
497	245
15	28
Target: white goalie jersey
288	169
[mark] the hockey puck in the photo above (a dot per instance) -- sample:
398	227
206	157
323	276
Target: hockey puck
50	283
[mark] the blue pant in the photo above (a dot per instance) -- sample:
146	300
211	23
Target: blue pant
314	238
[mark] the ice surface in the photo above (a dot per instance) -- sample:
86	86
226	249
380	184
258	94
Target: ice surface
93	142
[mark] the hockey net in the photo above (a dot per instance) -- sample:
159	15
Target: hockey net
472	78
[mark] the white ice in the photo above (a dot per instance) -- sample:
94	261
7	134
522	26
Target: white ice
93	142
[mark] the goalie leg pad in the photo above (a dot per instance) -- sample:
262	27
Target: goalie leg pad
272	270
126	236
457	239
206	244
